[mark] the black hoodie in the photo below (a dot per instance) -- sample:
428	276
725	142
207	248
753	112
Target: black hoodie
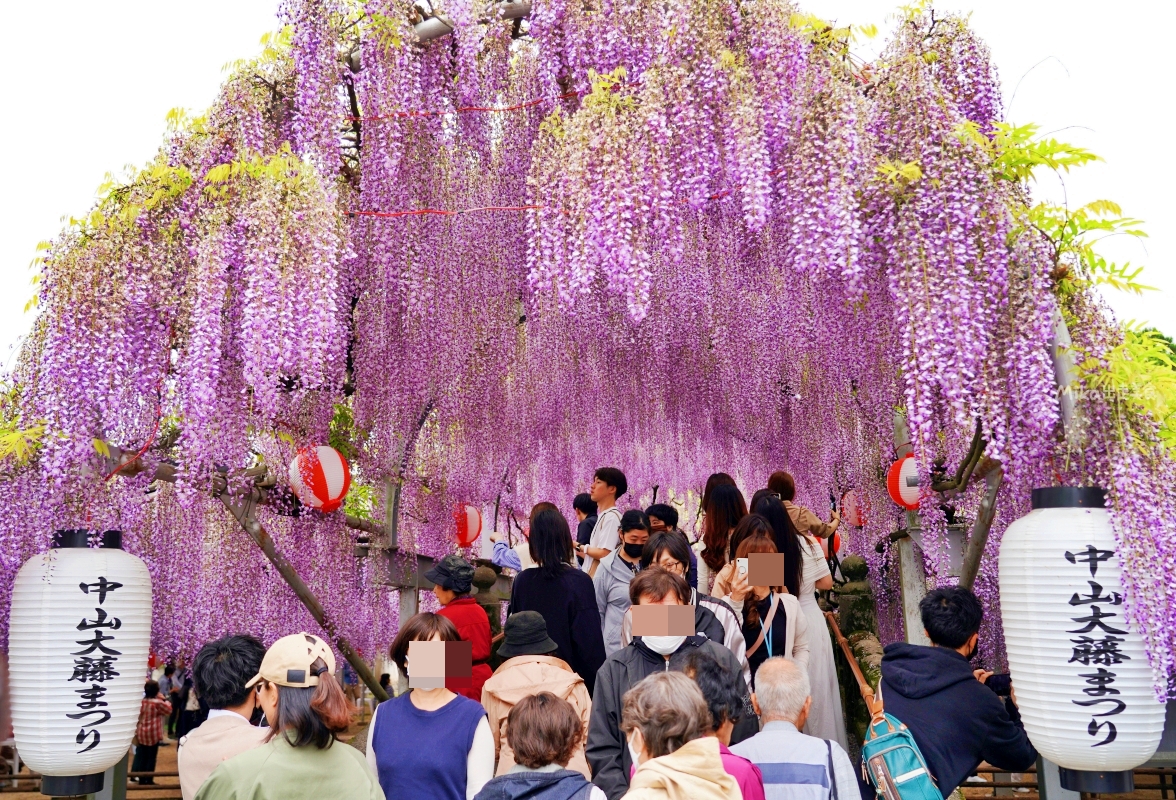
530	785
606	749
956	720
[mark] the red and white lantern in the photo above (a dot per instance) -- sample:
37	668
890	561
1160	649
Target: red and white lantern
836	540
320	477
468	520
902	482
853	510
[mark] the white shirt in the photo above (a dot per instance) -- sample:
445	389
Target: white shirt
605	534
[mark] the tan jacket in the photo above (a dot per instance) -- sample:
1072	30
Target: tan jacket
692	772
808	522
216	740
522	676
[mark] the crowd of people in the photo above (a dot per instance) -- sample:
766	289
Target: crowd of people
748	706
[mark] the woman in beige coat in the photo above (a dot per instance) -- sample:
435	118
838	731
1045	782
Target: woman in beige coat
664	718
528	671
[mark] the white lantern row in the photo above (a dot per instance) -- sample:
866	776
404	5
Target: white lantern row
1083	684
79	635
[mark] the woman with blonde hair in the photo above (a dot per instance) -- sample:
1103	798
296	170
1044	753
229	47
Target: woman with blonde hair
665	719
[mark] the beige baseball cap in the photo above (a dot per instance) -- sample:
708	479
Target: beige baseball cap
289	659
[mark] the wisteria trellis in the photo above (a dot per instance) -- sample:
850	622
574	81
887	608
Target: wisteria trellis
744	251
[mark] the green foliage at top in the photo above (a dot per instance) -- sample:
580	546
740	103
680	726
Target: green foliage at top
18	442
1138	373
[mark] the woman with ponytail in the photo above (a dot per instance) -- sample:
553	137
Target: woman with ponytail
306	710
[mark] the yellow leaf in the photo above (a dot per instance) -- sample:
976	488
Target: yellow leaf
102	448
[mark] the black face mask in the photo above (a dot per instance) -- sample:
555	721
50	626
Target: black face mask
257	716
634	550
975	651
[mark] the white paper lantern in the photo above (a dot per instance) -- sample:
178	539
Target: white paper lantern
1083	684
78	642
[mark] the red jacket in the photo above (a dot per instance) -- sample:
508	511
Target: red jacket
473	626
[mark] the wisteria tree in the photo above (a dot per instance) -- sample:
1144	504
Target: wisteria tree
680	237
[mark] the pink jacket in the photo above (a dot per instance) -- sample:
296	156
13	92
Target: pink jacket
745	773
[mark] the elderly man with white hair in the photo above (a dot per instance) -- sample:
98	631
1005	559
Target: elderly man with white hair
795	766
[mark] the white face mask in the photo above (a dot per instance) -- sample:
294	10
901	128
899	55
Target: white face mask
633	753
663	645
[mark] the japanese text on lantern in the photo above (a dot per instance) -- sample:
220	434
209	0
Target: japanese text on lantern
94	664
1097	644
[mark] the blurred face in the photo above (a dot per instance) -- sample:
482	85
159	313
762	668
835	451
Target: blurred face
600	490
667	562
656	525
635	536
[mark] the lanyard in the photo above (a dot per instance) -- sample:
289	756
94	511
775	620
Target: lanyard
768	632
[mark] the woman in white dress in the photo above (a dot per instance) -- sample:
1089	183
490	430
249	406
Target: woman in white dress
825	719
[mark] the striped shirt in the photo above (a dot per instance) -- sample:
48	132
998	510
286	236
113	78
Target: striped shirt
795	765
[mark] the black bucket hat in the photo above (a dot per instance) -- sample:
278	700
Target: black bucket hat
526	635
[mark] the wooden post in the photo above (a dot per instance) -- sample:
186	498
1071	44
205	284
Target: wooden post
242	509
409	606
911	575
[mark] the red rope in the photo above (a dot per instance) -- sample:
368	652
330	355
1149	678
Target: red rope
440	212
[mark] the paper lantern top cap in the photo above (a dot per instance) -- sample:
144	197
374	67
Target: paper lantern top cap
1069	497
71	538
80	538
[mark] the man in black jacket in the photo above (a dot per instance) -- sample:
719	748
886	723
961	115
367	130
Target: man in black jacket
956	720
607	752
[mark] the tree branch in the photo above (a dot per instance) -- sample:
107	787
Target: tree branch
964	471
978	539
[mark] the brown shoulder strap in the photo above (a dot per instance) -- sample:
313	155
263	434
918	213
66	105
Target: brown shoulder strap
767	623
873	703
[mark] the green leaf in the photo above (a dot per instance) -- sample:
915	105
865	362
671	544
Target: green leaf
101	447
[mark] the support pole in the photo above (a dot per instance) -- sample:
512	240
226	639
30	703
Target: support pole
911	574
242	509
409	606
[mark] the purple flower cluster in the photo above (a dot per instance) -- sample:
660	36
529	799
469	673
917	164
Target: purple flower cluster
750	252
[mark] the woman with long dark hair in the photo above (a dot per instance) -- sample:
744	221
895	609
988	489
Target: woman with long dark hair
562	594
430	741
825	719
788	539
306	710
723	510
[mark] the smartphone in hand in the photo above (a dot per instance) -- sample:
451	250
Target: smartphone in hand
741	566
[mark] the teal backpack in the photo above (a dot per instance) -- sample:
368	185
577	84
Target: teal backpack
891	760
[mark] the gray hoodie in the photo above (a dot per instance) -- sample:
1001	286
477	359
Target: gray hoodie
612	597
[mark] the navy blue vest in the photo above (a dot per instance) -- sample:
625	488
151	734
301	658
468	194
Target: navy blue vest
423	754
